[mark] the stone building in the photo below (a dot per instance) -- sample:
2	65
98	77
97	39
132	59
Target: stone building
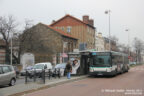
84	29
47	43
113	45
2	52
99	42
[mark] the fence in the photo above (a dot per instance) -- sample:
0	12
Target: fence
42	75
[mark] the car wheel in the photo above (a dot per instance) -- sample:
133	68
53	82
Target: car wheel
12	82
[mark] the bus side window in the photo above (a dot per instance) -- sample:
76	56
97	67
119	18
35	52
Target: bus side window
114	60
117	60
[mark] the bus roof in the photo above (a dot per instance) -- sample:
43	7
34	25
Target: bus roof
113	52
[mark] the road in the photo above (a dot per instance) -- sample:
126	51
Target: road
127	84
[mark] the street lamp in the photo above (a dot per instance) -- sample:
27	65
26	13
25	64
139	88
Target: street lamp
11	49
108	12
127	30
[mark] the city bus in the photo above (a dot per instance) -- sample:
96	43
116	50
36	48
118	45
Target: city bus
107	63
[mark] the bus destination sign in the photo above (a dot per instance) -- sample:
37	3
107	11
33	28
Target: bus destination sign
100	53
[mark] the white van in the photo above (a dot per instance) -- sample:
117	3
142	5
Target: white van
39	67
45	65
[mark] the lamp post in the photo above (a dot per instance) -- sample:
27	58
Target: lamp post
127	30
108	12
11	50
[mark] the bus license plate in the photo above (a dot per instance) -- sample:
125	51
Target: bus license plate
99	74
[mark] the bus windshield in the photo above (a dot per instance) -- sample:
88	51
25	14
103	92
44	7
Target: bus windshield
101	61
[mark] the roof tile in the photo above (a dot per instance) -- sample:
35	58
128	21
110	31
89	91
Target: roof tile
61	32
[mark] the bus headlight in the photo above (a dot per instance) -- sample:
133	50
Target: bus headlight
91	70
109	69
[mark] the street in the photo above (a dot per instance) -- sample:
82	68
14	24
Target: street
127	84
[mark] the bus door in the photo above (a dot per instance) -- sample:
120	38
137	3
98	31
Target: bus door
84	64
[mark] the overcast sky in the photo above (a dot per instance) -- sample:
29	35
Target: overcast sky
124	13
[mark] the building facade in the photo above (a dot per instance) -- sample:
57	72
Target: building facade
99	42
113	45
84	29
2	52
47	43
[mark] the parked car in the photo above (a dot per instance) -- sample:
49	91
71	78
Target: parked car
40	66
7	75
23	72
60	67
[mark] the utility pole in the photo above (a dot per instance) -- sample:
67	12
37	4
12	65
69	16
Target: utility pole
11	50
108	12
127	30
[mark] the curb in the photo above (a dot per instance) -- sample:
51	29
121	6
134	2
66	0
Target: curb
48	86
136	65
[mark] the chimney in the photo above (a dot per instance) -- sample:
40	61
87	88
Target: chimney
86	19
91	22
53	21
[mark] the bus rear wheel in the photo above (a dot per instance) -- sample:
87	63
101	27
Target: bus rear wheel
115	73
126	70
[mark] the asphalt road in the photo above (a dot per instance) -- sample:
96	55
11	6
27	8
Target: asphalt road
127	84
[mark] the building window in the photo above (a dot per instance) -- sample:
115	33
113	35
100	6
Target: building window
62	28
69	29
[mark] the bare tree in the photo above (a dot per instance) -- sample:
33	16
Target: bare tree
28	24
123	48
7	28
138	47
7	31
114	38
20	38
114	43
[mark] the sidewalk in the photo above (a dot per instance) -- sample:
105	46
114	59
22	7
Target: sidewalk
21	89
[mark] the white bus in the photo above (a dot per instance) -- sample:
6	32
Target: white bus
107	63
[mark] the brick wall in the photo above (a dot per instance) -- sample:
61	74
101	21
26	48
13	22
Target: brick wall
83	32
2	56
45	43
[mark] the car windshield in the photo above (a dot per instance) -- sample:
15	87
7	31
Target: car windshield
39	66
100	61
29	67
60	65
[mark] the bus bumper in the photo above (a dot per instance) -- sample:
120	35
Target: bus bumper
103	73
